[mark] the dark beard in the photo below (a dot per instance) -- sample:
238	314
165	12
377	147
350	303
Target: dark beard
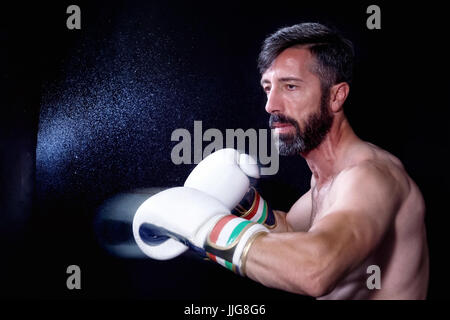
302	141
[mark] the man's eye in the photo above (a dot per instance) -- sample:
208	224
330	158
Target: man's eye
291	86
267	89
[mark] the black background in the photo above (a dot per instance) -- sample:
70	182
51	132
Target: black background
198	61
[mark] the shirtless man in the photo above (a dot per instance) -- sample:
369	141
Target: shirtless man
362	209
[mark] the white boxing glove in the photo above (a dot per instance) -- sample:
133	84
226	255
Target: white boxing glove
225	175
170	222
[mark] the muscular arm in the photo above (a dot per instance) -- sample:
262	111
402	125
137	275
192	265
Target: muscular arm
364	201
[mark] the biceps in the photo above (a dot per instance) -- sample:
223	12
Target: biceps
365	218
347	239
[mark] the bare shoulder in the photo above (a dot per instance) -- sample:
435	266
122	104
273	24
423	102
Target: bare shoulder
373	176
375	166
413	204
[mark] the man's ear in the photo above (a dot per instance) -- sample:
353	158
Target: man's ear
338	95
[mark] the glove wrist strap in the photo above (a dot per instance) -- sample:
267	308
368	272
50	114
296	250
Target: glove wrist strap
228	240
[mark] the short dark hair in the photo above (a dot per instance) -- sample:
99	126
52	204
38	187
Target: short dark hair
333	53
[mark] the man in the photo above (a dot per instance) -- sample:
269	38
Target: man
362	209
362	214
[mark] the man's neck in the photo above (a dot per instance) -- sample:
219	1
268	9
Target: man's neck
325	160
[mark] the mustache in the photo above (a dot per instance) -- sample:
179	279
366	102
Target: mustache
281	118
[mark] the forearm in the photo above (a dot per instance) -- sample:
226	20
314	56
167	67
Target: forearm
286	261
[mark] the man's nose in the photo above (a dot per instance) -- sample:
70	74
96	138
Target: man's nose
274	102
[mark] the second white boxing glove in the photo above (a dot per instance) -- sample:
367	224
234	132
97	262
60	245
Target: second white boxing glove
225	175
